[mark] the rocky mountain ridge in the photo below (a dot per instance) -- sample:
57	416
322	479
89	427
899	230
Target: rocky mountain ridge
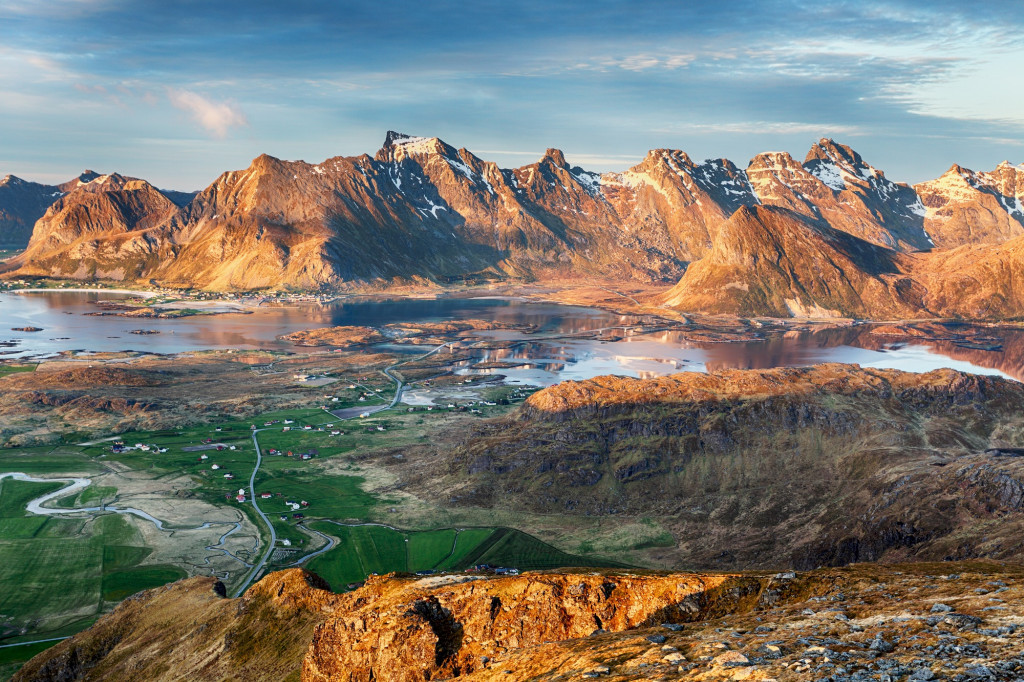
23	203
422	210
755	469
934	621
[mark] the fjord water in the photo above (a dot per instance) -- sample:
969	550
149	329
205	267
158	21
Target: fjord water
537	359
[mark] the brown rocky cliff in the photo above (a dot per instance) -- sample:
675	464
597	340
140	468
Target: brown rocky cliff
394	629
100	233
967	207
772	261
558	626
863	202
414	630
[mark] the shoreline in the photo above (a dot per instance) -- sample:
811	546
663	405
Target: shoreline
620	303
130	292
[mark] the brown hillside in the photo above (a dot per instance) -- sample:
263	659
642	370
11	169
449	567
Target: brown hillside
757	468
561	626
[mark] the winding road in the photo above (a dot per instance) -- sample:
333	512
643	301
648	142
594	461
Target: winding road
75	484
346	413
273	534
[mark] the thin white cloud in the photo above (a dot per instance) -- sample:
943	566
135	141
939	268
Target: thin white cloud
763	127
217	118
644	62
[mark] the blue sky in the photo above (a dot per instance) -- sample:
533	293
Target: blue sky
177	92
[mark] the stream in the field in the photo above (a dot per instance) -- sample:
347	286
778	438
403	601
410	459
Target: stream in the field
75	484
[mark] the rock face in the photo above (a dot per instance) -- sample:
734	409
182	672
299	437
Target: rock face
826	237
452	626
93	233
23	203
772	261
867	621
261	636
966	207
758	468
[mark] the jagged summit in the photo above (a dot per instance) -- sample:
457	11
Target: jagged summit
87	176
264	162
412	143
554	156
827	149
772	161
422	208
399	146
393	137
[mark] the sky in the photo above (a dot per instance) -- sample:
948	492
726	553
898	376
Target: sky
178	92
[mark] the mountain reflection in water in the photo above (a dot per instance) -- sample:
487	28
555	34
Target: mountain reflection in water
549	355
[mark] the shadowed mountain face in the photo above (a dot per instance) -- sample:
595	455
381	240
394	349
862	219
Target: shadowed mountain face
829	236
22	203
772	261
759	468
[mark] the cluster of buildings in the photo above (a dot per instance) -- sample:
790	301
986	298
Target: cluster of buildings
309	454
119	446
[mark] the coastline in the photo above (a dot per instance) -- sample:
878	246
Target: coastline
130	292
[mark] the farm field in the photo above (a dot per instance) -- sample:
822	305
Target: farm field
75	568
12	658
66	569
13	369
366	549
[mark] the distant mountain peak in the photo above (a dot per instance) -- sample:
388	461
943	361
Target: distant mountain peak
394	137
828	149
398	146
411	143
673	157
773	160
264	162
555	157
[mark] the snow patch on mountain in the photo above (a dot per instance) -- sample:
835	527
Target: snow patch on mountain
829	174
634	179
591	182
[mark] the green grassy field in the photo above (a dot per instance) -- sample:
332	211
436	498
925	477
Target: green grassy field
13	369
467	540
69	570
12	658
65	570
362	550
46	460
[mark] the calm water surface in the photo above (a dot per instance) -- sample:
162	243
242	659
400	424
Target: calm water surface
62	315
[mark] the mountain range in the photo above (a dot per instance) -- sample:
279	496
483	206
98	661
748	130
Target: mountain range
23	203
831	236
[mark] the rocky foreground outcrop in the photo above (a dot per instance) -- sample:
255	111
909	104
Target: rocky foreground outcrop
929	621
